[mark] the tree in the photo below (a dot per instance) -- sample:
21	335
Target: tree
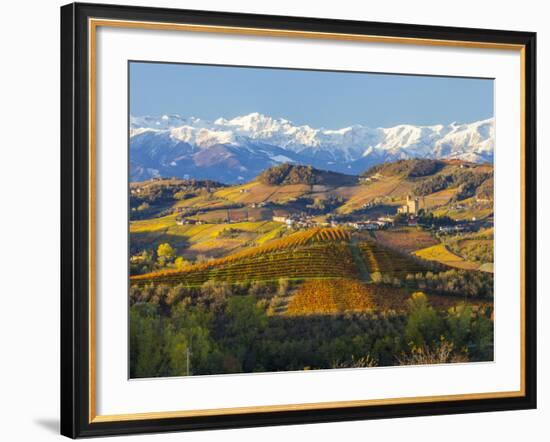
180	263
213	295
165	253
188	340
246	320
283	286
146	341
141	263
459	325
143	206
376	277
471	332
424	326
400	218
160	297
318	204
441	353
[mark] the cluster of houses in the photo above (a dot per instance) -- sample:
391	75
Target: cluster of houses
297	221
471	226
369	205
370	179
452	229
305	221
377	224
257	205
187	221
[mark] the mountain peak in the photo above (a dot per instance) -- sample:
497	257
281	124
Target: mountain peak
252	118
266	141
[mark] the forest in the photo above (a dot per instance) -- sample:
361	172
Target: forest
220	328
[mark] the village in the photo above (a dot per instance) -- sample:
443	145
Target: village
302	221
409	214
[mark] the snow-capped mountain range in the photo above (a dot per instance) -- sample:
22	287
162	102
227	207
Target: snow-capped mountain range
240	148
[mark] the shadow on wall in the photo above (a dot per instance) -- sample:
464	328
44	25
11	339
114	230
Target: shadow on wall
51	425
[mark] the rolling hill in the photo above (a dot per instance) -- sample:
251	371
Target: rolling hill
386	186
295	174
317	253
327	271
211	219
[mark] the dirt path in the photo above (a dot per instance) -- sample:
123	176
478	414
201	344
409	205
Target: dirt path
359	261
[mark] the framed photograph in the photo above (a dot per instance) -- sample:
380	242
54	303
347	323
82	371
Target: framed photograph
274	220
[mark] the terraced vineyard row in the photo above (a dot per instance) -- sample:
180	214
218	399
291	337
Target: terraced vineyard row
316	297
336	296
383	260
296	240
331	234
318	260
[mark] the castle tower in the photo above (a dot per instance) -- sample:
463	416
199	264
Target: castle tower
412	205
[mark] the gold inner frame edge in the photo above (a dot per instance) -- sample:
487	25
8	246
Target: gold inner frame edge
93	24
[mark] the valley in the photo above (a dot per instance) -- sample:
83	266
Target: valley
301	247
289	219
212	219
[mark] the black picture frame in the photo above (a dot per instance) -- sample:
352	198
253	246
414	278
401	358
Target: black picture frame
75	220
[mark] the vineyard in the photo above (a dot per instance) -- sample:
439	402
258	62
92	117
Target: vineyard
383	260
386	298
407	239
315	253
330	273
256	192
440	253
317	297
304	269
366	194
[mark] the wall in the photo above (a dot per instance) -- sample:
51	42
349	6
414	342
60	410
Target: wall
29	107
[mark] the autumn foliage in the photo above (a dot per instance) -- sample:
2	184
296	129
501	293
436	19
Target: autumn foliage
315	253
316	297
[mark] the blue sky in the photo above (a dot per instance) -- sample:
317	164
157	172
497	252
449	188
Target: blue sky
320	99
